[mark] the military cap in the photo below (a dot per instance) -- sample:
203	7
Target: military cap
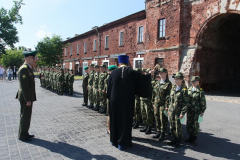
103	65
147	70
85	68
112	67
96	66
91	65
162	70
195	78
71	70
144	70
137	69
29	53
178	75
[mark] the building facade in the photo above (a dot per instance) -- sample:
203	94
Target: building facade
196	37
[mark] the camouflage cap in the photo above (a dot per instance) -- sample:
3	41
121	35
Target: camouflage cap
103	65
178	75
144	70
96	66
91	65
195	78
162	70
137	69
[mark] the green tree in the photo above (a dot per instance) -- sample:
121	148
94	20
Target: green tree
8	32
12	58
50	51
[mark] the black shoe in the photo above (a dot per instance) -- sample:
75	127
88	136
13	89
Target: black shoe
100	109
178	143
157	135
144	129
26	140
84	104
96	108
108	132
149	130
133	124
136	125
189	139
31	136
91	106
194	140
172	142
103	111
162	136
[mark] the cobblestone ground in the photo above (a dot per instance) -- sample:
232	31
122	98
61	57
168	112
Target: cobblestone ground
64	129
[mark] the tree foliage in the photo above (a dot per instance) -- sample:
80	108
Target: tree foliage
8	32
50	51
12	58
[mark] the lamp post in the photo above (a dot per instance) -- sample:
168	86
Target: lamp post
96	28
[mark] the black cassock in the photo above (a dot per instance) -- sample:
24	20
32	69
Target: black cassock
123	84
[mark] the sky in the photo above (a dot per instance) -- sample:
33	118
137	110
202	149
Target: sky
66	18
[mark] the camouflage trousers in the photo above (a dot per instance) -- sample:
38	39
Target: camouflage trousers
85	95
67	86
192	123
147	112
103	98
70	87
176	126
60	87
90	94
160	118
96	98
41	82
137	110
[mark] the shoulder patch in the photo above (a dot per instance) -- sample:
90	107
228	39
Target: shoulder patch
184	89
201	89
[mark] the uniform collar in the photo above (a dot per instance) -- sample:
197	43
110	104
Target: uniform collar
123	65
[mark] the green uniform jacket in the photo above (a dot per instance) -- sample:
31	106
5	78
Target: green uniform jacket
71	78
91	77
96	80
102	78
85	80
197	100
26	89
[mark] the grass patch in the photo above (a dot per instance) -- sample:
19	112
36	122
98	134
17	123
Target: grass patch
77	77
36	73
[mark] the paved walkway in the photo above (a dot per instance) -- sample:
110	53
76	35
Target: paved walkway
65	130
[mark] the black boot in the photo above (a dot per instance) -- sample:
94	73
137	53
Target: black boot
100	109
194	140
189	139
91	106
157	135
103	111
149	130
178	143
162	136
144	129
96	108
133	124
172	142
136	125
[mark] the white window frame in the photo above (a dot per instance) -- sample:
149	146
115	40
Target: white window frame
106	61
140	34
78	49
137	59
94	62
70	66
85	47
121	39
63	65
83	71
162	28
106	42
71	51
94	45
65	52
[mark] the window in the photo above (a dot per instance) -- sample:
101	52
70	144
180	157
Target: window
65	52
121	39
85	64
85	47
106	62
78	49
70	67
94	45
71	52
140	34
106	41
159	61
138	62
161	28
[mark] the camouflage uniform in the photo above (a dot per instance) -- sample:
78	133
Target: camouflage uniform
105	89
60	82
66	80
70	83
102	95
197	106
54	81
95	89
137	109
147	111
90	84
46	76
84	86
161	93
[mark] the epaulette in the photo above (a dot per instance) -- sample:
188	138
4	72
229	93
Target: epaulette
184	89
201	89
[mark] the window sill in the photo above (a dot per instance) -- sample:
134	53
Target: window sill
140	43
85	52
94	51
106	48
161	38
121	46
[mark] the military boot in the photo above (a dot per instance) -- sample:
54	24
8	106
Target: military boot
194	140
157	135
136	125
144	129
103	111
178	143
91	106
96	108
162	136
189	139
172	142
100	109
149	130
133	123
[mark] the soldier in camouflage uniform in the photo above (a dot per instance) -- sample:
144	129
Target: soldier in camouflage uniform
137	109
84	87
66	80
46	76
96	88
147	112
71	81
51	78
60	81
90	86
54	79
178	104
161	93
197	107
102	95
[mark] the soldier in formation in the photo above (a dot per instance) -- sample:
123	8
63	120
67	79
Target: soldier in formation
85	87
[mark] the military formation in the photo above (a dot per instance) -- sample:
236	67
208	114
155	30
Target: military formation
56	79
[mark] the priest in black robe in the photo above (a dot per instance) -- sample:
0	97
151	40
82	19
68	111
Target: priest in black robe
123	84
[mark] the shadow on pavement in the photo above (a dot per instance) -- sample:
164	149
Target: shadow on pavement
75	94
67	150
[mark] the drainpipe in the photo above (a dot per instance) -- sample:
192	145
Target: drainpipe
98	46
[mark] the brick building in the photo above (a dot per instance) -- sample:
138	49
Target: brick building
198	37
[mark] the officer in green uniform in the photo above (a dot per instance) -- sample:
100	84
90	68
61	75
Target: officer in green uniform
161	94
178	104
66	79
85	87
60	81
147	112
71	81
96	88
102	95
196	108
26	95
90	86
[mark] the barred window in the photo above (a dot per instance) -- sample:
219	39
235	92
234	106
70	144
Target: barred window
85	47
161	28
95	45
121	38
140	34
106	41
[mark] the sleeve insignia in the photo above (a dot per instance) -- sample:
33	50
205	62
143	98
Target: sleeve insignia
23	76
201	89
